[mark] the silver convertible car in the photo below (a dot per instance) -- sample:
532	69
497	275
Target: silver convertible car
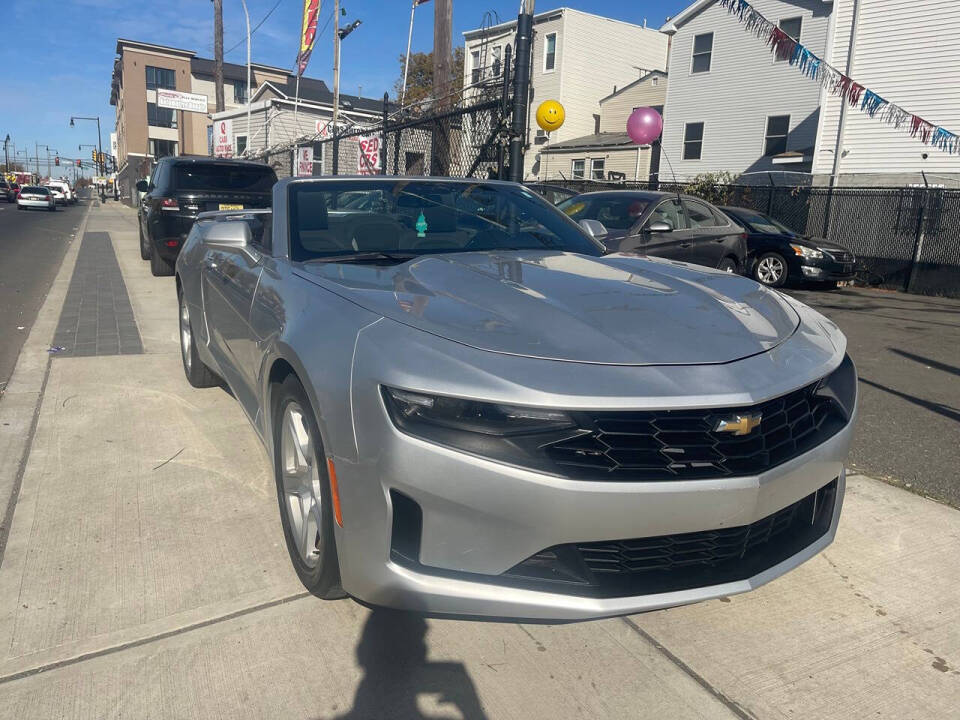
472	410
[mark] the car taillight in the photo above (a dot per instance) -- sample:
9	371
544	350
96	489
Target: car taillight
172	243
169	204
743	236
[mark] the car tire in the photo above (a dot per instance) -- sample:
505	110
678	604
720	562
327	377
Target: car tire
197	372
771	270
158	266
729	265
144	248
303	491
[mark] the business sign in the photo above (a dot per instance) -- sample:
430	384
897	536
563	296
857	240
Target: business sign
304	161
368	155
191	102
223	138
113	145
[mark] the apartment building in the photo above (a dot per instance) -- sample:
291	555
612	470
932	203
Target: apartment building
577	58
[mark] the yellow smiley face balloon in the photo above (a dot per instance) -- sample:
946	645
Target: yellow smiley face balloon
550	115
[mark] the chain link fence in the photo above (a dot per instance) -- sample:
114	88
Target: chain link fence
904	238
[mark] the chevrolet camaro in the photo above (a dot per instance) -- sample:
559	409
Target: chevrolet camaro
472	409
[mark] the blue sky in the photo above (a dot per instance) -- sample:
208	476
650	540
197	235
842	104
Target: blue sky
60	55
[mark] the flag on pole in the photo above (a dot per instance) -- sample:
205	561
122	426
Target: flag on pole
308	33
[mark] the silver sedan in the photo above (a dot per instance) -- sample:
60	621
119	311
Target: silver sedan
472	410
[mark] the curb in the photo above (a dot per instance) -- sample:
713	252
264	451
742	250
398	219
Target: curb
20	404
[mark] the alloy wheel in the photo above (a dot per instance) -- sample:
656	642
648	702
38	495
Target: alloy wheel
301	484
769	270
186	335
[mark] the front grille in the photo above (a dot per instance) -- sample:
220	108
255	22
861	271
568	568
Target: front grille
841	256
668	563
684	445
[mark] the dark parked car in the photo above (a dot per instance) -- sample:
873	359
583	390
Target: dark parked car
553	193
777	254
661	224
10	190
182	187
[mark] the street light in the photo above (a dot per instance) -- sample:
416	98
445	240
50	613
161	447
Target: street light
99	139
338	35
6	154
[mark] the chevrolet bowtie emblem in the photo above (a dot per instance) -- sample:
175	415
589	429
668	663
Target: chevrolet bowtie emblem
738	424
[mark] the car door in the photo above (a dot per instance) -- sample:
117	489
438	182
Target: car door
676	244
229	277
709	237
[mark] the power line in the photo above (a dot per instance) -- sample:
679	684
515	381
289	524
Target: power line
256	27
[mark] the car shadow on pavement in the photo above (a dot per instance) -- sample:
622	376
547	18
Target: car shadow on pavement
926	361
938	408
393	654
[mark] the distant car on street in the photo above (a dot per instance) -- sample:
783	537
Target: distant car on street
662	225
181	188
11	191
778	255
36	196
5	191
66	196
553	193
470	408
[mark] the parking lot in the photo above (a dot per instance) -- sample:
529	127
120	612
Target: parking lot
144	574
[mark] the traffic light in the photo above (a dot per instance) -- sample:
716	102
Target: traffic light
93	155
79	163
56	161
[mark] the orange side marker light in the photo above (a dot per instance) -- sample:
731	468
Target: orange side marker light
335	491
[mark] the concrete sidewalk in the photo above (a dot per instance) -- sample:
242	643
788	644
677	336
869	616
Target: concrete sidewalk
145	576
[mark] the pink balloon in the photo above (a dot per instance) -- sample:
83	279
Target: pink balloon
644	125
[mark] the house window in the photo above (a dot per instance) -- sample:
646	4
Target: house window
550	52
162	148
160	116
790	27
692	141
702	53
596	168
496	52
577	168
775	140
241	143
161	78
475	67
240	91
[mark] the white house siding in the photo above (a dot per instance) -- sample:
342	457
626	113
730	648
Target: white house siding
743	87
615	110
906	51
558	165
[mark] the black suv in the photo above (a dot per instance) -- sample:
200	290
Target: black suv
182	187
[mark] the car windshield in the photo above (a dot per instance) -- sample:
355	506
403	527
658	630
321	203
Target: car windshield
615	212
404	218
224	176
763	224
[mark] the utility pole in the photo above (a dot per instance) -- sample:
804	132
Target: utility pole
442	83
36	153
521	92
218	51
336	68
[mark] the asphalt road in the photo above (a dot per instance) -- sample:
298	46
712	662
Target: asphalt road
907	352
32	245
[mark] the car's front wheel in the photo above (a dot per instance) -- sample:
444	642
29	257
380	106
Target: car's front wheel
198	374
771	270
303	490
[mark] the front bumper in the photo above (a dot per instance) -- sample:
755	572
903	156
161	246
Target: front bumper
827	270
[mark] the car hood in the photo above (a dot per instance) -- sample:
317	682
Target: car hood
617	309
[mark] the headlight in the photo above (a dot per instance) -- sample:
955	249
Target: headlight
807	252
840	387
412	410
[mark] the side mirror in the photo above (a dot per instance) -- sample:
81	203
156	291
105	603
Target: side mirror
228	233
593	228
143	186
658	226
